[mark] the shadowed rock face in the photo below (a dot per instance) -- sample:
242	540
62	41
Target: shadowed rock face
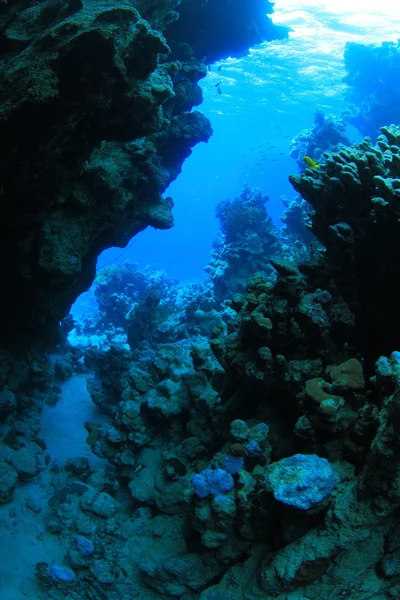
94	125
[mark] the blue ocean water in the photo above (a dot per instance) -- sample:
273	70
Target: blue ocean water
267	98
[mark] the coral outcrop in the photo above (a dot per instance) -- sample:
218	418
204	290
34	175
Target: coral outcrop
135	306
248	238
355	216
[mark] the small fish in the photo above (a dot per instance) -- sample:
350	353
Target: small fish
219	68
219	90
311	163
218	84
282	153
209	68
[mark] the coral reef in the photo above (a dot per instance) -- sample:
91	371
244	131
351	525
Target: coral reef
372	76
249	447
127	296
297	242
131	306
287	362
236	467
265	476
212	482
248	239
244	431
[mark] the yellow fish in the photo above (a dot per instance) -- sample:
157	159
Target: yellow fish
311	163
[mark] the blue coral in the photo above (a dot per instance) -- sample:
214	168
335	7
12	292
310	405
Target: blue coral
84	546
212	482
253	449
302	480
62	574
233	464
